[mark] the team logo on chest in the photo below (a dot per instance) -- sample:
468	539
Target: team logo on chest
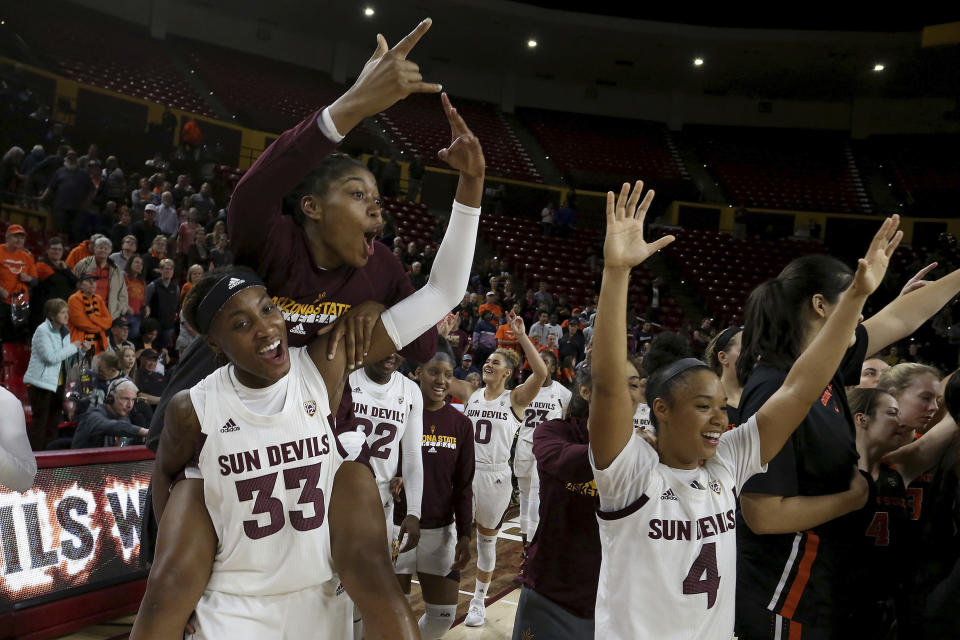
310	406
715	486
400	400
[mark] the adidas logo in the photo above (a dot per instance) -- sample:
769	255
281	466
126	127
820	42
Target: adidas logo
299	330
356	390
235	282
668	495
229	427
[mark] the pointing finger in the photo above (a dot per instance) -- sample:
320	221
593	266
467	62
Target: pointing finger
405	46
380	50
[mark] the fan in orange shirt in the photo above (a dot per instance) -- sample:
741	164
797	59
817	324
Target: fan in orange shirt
89	318
82	250
491	306
17	269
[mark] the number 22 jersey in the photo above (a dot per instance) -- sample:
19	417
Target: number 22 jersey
267	482
669	541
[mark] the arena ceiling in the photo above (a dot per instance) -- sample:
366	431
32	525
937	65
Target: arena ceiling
815	59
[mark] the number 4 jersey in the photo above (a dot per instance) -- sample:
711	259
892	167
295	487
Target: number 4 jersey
669	541
267	480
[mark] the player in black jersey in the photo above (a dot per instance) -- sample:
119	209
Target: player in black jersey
722	354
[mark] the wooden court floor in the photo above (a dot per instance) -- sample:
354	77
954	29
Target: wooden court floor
501	596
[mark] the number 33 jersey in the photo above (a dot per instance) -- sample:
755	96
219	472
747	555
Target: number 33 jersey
267	481
669	541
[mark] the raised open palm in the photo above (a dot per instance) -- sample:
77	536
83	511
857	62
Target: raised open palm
873	265
624	245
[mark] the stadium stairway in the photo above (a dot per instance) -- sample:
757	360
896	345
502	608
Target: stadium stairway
703	181
538	155
197	84
681	292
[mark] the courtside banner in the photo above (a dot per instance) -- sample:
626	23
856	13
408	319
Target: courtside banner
77	529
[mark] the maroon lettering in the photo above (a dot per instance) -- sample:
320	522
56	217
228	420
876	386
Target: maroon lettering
731	520
224	465
655	532
273	455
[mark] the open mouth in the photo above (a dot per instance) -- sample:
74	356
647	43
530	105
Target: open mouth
272	352
439	391
368	239
713	437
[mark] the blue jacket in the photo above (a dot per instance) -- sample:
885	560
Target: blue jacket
49	349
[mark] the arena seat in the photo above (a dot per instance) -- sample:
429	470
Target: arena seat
418	125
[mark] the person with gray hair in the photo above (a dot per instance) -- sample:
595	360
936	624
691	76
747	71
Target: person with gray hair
11	178
111	281
167	218
103	425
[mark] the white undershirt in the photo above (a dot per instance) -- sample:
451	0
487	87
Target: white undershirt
266	401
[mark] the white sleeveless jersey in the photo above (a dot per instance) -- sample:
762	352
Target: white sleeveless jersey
382	412
641	419
494	425
548	405
267	482
669	541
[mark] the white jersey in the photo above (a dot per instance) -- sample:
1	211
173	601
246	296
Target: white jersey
267	482
641	419
548	405
494	425
669	541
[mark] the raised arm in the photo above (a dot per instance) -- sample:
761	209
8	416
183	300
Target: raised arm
906	313
785	410
524	393
913	459
611	412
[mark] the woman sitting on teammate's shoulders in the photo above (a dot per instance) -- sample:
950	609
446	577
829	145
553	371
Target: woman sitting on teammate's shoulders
667	516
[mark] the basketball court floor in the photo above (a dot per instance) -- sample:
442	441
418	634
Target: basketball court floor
501	596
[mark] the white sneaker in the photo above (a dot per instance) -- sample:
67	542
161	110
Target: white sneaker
477	614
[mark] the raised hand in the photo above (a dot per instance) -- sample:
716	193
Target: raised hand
387	78
464	153
873	265
516	323
624	245
917	281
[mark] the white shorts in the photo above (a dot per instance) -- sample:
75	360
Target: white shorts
324	611
524	462
491	494
433	555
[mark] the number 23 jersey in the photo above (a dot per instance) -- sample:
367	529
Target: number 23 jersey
267	482
669	541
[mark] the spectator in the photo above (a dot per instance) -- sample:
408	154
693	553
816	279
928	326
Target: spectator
191	136
72	192
17	274
111	285
50	348
146	230
186	233
572	344
11	179
162	298
507	339
149	380
128	362
540	329
167	219
198	253
128	247
565	220
203	202
466	367
119	336
149	339
18	466
36	156
543	297
643	335
91	156
194	273
141	197
88	318
183	188
116	181
101	426
122	227
417	277
82	250
509	296
56	279
484	336
98	203
157	254
562	309
555	327
551	346
492	306
546	219
457	338
136	293
656	292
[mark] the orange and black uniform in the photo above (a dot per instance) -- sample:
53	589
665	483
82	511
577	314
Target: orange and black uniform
799	581
89	319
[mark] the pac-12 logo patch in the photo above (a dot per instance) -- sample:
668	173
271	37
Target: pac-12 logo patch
715	486
310	406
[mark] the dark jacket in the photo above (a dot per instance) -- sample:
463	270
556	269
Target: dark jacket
99	425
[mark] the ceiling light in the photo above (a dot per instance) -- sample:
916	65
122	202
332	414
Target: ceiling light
532	44
368	11
698	62
878	67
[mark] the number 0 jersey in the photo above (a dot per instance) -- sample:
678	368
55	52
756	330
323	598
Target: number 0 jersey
267	481
494	425
669	541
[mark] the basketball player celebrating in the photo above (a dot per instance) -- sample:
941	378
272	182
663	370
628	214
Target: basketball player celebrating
549	404
387	408
721	354
494	411
661	512
448	464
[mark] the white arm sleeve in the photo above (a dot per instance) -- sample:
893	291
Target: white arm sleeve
411	317
18	466
410	449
